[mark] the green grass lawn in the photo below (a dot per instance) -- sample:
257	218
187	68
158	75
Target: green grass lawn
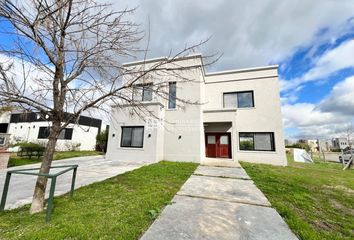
316	200
122	207
19	161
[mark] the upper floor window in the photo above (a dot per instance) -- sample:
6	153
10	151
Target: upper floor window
172	95
66	133
142	92
132	137
257	141
238	99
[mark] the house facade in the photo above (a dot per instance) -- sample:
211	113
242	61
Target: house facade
34	127
234	115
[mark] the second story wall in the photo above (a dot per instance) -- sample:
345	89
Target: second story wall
254	92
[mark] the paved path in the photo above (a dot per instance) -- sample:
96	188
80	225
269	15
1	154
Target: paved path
219	201
91	169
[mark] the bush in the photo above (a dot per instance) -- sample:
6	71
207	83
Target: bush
301	145
101	141
29	145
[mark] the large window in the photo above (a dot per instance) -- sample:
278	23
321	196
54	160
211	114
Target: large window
257	141
132	137
3	127
142	92
65	134
172	95
238	99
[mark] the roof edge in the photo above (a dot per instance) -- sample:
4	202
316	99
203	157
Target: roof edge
139	62
242	70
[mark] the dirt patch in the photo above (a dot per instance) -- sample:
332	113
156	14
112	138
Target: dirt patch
337	205
340	187
323	225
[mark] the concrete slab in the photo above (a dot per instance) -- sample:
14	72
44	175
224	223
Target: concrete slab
195	218
91	169
222	172
219	162
226	189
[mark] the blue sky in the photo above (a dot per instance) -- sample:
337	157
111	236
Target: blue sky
312	41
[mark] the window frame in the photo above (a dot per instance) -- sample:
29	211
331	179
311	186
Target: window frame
132	127
170	96
237	92
65	134
4	141
272	143
141	87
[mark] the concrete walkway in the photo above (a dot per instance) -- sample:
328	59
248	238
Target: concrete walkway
91	169
219	201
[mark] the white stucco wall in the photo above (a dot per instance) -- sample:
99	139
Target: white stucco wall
265	116
182	136
28	131
152	146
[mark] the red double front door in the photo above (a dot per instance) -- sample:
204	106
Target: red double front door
218	145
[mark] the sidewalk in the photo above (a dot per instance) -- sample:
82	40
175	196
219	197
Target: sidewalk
219	202
91	169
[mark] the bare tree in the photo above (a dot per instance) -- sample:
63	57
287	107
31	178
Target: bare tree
70	54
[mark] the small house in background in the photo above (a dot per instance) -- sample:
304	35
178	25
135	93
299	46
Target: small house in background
340	143
34	127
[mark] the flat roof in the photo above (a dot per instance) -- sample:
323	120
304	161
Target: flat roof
199	55
242	70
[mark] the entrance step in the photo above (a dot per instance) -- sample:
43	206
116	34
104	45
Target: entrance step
220	162
222	172
223	189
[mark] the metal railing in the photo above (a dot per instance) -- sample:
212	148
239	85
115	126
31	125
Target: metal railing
53	178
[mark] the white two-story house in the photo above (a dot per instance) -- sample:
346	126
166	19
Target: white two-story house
233	115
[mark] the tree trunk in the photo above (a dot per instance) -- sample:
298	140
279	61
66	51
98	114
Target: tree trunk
41	184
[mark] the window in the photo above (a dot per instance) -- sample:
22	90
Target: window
2	141
132	137
43	132
66	133
142	92
238	99
3	127
172	95
257	141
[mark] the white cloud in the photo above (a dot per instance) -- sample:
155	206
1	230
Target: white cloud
248	32
328	63
327	119
341	99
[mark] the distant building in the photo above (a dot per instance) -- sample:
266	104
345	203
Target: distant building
340	143
313	143
34	127
325	145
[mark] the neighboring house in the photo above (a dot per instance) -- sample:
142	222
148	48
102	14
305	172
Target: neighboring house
313	144
325	145
34	127
340	143
238	118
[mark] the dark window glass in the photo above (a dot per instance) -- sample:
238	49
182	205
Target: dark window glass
132	137
43	133
2	141
3	127
257	141
65	134
172	95
147	92
245	99
68	133
238	99
142	92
